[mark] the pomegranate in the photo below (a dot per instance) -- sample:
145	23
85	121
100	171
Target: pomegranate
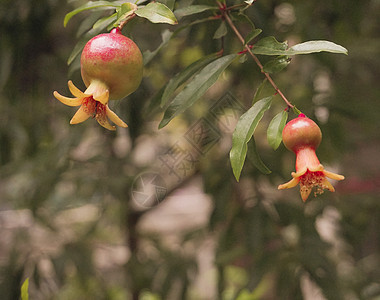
111	69
302	136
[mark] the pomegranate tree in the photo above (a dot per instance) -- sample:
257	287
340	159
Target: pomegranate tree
111	69
302	136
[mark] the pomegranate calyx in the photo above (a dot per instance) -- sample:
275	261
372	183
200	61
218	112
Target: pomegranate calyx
98	90
91	106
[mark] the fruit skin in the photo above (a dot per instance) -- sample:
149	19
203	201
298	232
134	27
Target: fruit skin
302	136
301	132
111	67
113	60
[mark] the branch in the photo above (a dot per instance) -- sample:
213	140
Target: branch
224	11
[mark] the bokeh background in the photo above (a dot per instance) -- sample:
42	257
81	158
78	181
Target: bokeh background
143	213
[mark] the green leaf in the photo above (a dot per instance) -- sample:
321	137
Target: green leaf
88	22
78	48
90	34
277	64
316	46
270	46
221	31
250	36
154	103
259	90
254	157
148	55
157	12
90	5
243	58
192	10
183	76
274	132
196	88
168	3
243	133
105	20
124	11
242	18
24	290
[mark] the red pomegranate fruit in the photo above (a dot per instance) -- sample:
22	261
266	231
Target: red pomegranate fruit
111	69
302	136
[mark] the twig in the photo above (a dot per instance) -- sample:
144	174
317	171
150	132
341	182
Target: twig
224	11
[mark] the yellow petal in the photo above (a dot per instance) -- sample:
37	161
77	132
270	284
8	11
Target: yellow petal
305	193
114	118
102	120
318	168
292	183
103	98
299	173
75	91
327	185
80	116
68	101
333	175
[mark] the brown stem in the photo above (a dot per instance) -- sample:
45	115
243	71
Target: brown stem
257	61
126	20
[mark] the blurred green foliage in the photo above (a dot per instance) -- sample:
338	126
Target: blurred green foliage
67	218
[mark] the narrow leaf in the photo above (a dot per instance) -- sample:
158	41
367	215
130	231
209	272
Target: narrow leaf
274	132
199	21
105	20
24	290
242	17
183	76
157	12
254	33
88	22
192	10
90	34
196	88
254	157
78	48
243	133
259	91
148	55
276	65
90	5
221	31
270	46
317	46
154	103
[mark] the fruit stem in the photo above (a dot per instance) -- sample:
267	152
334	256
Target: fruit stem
125	21
248	49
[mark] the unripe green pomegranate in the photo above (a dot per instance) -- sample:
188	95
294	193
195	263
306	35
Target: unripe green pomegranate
111	68
302	136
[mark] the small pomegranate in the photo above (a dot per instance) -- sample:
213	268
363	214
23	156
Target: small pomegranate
111	69
302	136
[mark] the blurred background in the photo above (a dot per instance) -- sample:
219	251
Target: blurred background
143	213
